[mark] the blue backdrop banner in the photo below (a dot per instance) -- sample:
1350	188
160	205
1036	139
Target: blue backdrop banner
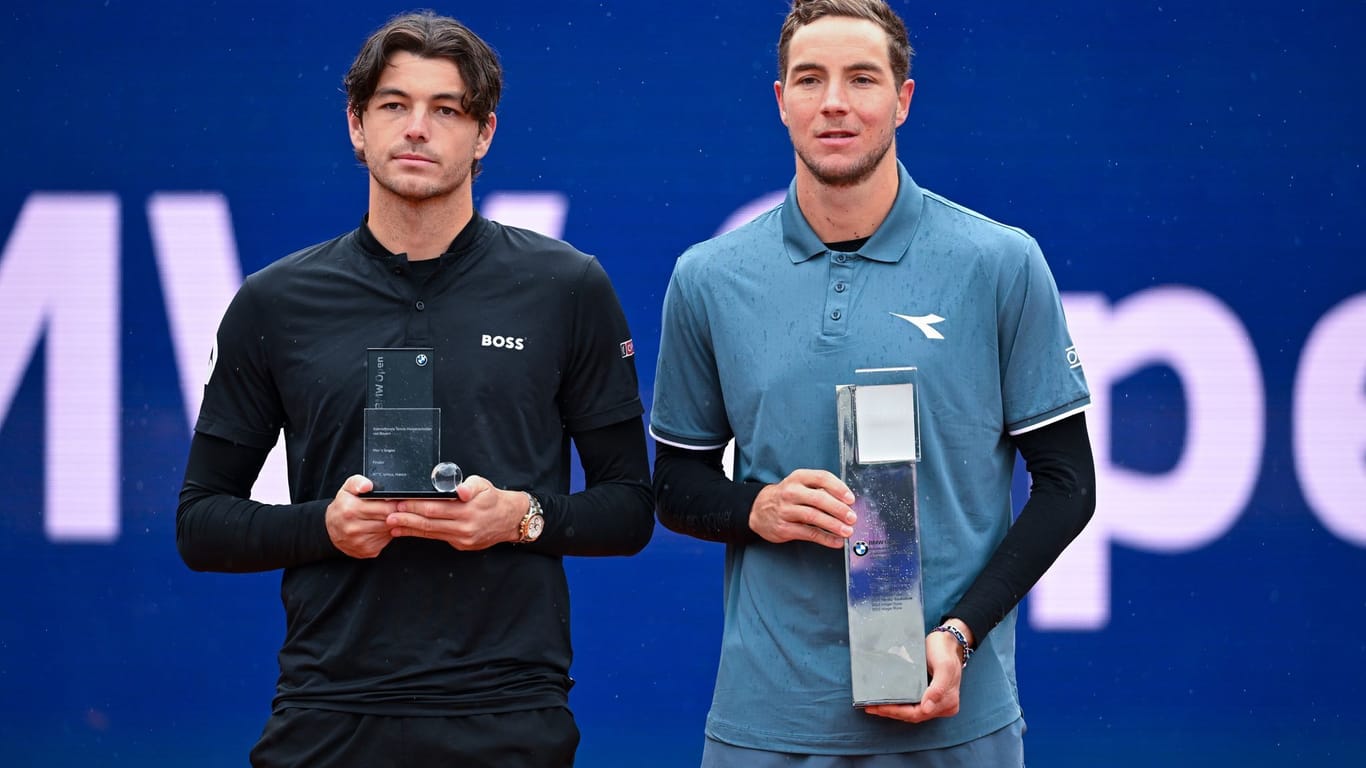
1191	170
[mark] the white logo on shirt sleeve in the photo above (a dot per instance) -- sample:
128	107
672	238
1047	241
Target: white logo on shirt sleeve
1073	359
213	361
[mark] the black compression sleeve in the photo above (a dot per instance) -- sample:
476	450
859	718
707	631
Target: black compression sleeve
1061	501
697	499
218	528
614	514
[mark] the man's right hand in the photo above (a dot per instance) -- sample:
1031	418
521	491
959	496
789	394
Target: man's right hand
356	525
808	505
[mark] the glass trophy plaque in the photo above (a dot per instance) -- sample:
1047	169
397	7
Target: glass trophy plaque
879	436
402	429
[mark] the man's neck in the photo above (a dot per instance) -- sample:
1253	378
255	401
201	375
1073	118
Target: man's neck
423	229
839	214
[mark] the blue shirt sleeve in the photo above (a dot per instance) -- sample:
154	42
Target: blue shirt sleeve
689	408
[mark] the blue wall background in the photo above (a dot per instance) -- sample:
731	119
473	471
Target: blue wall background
1215	145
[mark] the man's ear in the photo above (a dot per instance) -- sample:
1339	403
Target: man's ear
481	147
356	129
778	94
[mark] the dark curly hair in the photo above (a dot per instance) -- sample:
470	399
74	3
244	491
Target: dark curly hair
425	34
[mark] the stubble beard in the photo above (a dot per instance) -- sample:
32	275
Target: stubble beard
857	173
415	190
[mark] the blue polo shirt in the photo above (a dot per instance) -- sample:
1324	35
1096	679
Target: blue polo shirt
760	325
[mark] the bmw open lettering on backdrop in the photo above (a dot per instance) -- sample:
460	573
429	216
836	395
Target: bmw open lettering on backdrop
1187	330
1193	176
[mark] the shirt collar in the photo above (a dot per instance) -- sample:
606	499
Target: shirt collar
888	244
473	233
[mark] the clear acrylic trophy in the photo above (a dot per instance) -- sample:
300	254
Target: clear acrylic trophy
879	434
402	437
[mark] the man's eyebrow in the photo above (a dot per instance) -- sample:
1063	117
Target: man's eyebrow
858	66
455	96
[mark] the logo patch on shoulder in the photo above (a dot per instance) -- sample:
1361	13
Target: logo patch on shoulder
628	348
213	360
1073	359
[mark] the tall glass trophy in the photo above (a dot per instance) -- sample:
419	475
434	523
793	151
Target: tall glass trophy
402	437
879	434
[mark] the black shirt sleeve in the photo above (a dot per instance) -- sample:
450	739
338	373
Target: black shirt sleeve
1062	499
614	514
218	528
599	385
697	499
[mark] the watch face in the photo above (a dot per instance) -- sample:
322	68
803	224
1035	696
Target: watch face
534	526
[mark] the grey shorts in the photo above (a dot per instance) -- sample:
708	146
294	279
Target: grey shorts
1003	748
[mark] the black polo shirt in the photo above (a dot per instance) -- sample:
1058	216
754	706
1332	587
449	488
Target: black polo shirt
530	346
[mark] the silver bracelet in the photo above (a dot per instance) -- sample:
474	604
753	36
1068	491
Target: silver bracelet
962	641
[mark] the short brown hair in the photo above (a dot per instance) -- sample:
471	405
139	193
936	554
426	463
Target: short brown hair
899	51
429	36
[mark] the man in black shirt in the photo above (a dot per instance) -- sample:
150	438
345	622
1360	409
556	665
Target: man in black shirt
422	631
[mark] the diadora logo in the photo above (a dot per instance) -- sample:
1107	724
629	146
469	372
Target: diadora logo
925	323
503	342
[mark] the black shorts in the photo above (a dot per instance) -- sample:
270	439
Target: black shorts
319	738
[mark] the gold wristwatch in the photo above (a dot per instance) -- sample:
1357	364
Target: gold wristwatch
533	522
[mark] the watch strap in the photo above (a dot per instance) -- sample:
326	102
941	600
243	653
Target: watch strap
533	510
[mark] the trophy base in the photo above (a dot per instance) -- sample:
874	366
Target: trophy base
409	495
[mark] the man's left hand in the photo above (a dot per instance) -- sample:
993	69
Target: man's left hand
943	657
480	517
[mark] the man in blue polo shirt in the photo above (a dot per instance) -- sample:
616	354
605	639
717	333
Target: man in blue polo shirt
861	268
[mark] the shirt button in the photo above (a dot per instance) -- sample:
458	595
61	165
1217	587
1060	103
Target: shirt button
841	258
836	315
420	305
839	287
